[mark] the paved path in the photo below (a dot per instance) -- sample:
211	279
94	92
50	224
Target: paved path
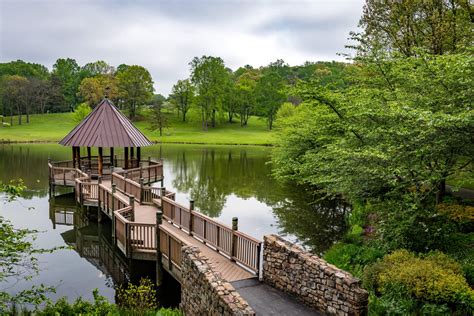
266	300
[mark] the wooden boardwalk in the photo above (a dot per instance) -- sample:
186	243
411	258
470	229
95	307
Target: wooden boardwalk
132	206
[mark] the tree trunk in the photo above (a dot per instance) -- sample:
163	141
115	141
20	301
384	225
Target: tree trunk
441	191
213	118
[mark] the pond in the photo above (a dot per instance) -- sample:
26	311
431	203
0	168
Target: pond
224	182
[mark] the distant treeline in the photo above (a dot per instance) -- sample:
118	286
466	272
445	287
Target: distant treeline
217	92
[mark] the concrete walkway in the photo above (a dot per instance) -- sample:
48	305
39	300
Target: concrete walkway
266	300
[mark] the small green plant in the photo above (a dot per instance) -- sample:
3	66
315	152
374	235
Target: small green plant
81	112
138	298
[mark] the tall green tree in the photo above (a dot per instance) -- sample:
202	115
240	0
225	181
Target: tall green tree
15	95
182	96
437	26
67	72
209	75
245	90
135	87
98	68
270	95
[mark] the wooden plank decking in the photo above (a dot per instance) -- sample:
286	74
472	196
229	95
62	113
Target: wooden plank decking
229	269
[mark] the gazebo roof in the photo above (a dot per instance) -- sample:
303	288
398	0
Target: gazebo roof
106	126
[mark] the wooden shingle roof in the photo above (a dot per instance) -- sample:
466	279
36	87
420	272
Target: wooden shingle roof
106	126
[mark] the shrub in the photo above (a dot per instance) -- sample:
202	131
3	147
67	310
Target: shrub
352	257
81	112
432	278
100	306
457	212
138	298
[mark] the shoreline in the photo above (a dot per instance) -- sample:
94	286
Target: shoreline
12	142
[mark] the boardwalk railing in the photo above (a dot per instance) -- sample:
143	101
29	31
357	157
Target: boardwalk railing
60	173
170	248
135	236
235	244
109	201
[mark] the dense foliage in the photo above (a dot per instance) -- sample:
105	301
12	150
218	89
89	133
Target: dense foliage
388	140
433	278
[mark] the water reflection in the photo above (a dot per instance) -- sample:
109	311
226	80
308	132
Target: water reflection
89	239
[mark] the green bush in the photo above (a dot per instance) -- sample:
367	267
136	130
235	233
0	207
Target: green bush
431	278
138	298
352	257
81	112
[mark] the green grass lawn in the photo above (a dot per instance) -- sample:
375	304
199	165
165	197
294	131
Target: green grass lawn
53	127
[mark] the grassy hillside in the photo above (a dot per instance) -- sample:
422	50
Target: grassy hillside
53	127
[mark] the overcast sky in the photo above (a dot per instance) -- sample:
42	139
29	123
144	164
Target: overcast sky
164	36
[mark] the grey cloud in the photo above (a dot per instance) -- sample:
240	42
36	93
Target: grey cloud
164	36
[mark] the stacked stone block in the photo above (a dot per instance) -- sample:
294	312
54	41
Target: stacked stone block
204	291
311	279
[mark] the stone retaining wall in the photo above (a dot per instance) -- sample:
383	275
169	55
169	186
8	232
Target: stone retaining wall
311	279
204	291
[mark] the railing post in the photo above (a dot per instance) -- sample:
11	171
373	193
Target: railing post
159	263
125	182
81	195
50	170
235	227
111	174
163	191
99	206
131	200
170	263
141	188
259	250
191	208
128	240
141	171
64	176
115	162
114	188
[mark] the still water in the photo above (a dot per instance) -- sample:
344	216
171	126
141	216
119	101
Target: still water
225	182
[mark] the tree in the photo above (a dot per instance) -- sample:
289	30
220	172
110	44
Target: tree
135	87
159	120
18	257
182	96
40	91
270	95
245	90
230	98
67	72
81	111
24	69
438	27
91	91
15	95
98	68
208	74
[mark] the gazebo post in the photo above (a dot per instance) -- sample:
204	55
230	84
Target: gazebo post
126	158
89	156
132	155
100	162
74	156
112	156
78	157
138	155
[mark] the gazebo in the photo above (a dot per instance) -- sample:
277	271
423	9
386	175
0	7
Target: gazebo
105	127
